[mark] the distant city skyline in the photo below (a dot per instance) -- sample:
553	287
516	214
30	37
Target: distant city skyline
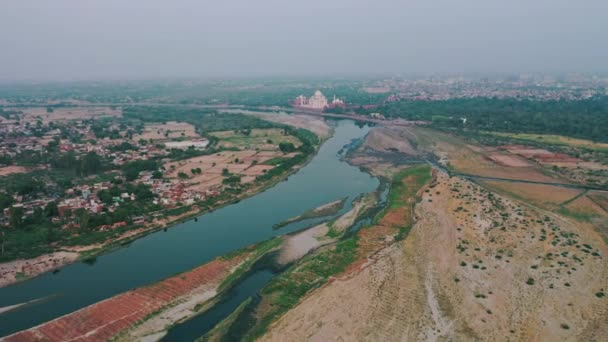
75	40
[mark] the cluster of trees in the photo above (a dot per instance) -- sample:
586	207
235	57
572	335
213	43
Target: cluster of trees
286	147
196	170
585	119
205	120
83	166
102	129
131	170
308	139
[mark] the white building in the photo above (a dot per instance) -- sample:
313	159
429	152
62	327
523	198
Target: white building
317	101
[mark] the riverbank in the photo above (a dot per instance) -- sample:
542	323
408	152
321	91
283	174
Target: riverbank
299	244
23	269
150	309
158	256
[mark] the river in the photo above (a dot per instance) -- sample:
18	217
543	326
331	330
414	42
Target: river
165	253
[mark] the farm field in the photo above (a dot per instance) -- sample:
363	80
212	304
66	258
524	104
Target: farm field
248	164
256	139
552	139
167	131
480	160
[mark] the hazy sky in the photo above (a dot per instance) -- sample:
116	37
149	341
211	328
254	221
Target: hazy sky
84	39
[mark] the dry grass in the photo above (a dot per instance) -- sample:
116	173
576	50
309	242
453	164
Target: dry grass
555	140
547	196
418	289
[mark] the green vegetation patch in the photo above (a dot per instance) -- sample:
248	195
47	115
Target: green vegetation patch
222	328
285	291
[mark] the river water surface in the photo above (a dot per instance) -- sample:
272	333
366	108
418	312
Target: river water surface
162	254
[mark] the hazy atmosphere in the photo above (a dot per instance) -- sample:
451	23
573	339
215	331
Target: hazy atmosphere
278	171
74	39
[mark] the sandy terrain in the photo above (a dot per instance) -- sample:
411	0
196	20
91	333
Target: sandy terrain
14	270
298	245
507	160
8	170
395	139
586	206
167	131
311	123
461	276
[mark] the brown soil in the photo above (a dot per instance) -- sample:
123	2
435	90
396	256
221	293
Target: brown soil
8	170
103	320
507	160
547	196
461	276
390	139
32	267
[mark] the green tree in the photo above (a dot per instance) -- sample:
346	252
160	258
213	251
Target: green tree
51	209
286	147
16	217
82	217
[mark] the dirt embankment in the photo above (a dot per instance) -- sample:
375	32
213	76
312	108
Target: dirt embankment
144	312
393	139
13	271
475	266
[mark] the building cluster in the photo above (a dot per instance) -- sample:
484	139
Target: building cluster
519	87
20	136
317	101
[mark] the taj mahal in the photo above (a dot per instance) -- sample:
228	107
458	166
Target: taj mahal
317	101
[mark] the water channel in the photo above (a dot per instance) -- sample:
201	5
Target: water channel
165	253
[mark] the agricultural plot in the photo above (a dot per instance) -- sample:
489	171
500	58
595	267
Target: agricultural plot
215	167
255	139
167	131
555	140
